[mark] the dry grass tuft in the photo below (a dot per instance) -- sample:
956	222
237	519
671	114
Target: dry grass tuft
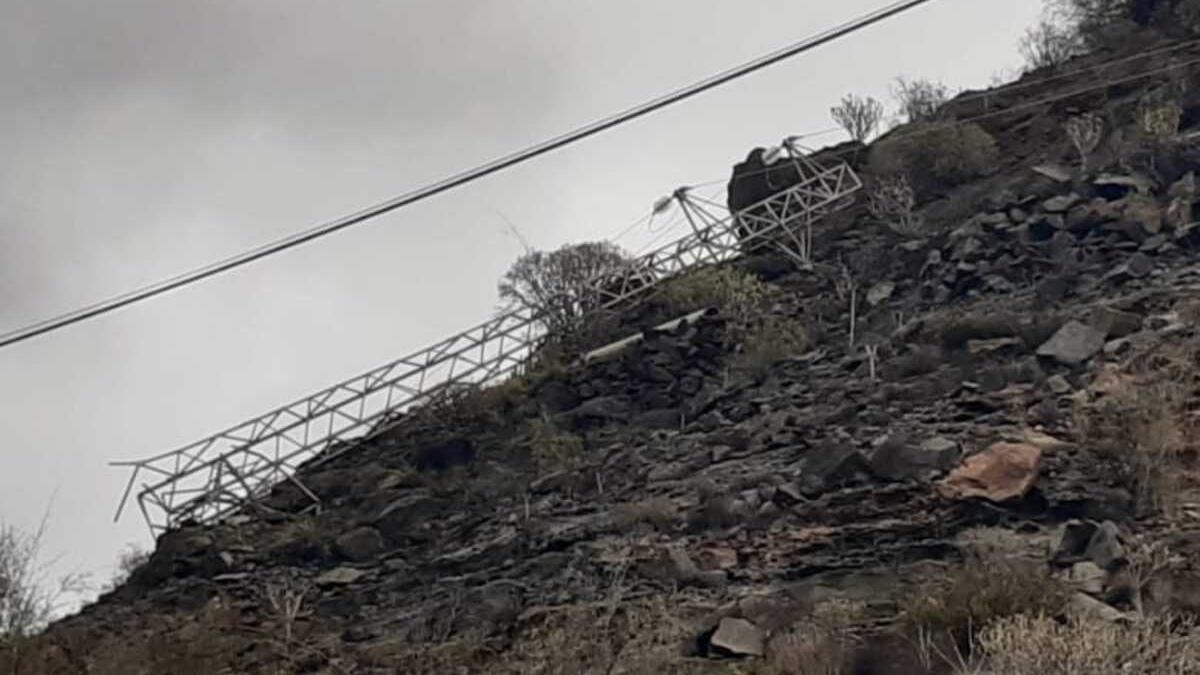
953	609
1022	645
823	643
1147	431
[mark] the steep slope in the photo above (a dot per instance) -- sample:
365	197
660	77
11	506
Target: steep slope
1021	385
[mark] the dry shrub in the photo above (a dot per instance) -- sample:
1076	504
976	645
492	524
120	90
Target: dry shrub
953	609
551	449
920	100
1021	645
760	338
739	296
860	117
935	156
1142	429
657	512
774	339
823	643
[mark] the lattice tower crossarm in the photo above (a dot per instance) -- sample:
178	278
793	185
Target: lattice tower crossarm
219	475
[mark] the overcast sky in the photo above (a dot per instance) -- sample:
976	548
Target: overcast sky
141	138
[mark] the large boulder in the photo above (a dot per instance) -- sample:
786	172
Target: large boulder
1003	472
1073	344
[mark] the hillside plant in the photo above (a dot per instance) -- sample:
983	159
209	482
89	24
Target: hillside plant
1033	643
892	201
1159	120
859	116
935	156
560	287
920	100
737	295
758	338
1084	131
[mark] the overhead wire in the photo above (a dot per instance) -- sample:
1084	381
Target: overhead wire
459	179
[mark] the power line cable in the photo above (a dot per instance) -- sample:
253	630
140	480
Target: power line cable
462	178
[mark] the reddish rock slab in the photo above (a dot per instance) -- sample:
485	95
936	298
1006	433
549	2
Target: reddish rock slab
1003	472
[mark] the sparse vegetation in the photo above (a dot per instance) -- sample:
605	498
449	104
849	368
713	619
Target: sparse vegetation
892	202
759	338
1033	643
920	100
935	156
949	613
859	116
732	292
1048	44
552	449
1085	132
1140	428
823	643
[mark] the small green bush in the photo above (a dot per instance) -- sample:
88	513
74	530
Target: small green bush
740	296
935	156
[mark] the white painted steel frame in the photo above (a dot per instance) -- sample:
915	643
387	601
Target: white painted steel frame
212	478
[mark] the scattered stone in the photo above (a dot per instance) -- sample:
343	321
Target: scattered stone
1043	441
1114	322
880	292
599	411
1054	172
1058	385
1122	185
831	467
1072	546
718	558
897	460
1084	606
360	544
1073	344
738	637
788	494
1137	266
1003	472
1104	548
341	576
1087	577
1062	203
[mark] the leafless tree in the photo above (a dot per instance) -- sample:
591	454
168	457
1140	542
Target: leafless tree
920	100
560	286
1048	44
860	117
29	598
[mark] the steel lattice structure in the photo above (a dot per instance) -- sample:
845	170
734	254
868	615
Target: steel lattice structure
217	476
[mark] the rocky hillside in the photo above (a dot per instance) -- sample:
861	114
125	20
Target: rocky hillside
1006	428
